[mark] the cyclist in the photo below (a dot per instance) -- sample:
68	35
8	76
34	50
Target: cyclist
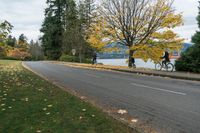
166	58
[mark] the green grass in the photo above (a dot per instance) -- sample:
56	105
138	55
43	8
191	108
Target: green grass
29	104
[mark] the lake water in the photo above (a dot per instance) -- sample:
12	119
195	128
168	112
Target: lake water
123	62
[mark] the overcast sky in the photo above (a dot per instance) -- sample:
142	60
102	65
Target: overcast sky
27	15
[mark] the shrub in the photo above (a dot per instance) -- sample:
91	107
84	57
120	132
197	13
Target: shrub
2	52
89	61
68	58
9	58
20	55
190	60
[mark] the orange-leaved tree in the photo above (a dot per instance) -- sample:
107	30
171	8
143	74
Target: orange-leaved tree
21	50
144	26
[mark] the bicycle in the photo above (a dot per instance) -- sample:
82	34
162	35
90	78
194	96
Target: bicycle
168	66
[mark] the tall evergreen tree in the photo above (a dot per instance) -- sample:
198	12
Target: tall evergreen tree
64	28
11	41
22	39
75	27
5	29
22	43
87	12
196	37
71	27
73	37
190	59
53	29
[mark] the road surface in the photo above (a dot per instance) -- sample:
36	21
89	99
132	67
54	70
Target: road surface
168	105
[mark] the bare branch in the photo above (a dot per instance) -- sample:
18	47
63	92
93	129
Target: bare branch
136	20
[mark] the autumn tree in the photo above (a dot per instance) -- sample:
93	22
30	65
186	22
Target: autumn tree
5	29
10	46
21	49
145	26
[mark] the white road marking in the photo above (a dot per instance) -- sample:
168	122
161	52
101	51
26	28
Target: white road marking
91	75
159	89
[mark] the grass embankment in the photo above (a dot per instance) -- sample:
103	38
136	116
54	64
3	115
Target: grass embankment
29	104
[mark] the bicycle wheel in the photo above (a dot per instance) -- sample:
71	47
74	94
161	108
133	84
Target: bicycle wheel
158	66
170	67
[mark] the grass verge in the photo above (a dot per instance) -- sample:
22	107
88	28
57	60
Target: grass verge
29	104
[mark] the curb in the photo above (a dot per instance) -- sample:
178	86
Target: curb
161	75
136	72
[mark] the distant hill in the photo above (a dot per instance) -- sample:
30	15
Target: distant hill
122	53
186	46
176	54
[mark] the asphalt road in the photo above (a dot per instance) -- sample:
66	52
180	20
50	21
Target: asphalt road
169	105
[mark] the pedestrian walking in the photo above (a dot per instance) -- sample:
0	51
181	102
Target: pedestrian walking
94	59
133	62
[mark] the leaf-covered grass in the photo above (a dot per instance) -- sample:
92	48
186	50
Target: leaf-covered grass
29	104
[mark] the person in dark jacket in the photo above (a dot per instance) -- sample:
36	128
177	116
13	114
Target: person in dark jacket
133	62
94	59
166	58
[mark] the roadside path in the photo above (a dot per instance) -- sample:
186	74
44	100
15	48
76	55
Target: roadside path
176	75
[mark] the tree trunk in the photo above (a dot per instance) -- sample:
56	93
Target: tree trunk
80	54
80	57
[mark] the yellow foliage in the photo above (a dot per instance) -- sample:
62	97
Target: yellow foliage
18	54
165	35
145	52
155	49
100	34
172	21
152	47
